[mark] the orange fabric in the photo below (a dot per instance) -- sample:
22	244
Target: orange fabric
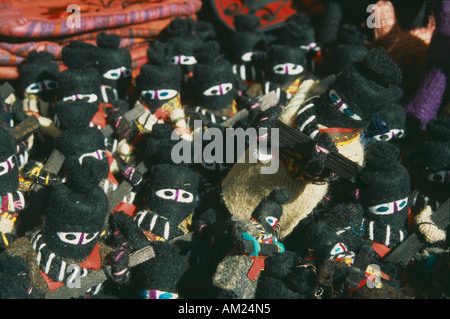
257	267
381	249
99	117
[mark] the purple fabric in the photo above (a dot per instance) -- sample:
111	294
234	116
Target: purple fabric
431	92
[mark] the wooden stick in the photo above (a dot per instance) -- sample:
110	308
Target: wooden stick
25	128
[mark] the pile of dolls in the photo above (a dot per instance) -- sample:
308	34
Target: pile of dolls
115	184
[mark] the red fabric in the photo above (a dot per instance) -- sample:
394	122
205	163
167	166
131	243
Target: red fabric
257	267
127	208
99	117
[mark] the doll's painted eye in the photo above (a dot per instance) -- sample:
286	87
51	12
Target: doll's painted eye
382	137
177	195
217	90
98	154
309	47
76	238
287	68
389	208
8	165
187	60
159	94
126	72
33	88
341	105
272	221
50	84
113	74
253	56
183	60
91	98
439	177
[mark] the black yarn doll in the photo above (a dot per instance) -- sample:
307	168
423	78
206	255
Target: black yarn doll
249	46
39	82
215	85
82	79
167	213
67	246
114	67
236	276
158	86
12	198
184	40
385	195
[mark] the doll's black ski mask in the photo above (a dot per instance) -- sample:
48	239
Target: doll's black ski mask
114	66
74	114
39	75
172	193
82	79
73	221
213	79
385	193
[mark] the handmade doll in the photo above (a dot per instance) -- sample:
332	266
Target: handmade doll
184	40
254	239
82	79
388	125
67	247
158	86
167	213
249	46
39	81
334	116
115	68
384	192
13	200
214	83
431	181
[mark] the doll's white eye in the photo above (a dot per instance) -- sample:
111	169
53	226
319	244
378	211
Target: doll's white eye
177	195
309	47
339	248
389	208
439	177
217	90
8	165
91	98
342	106
272	221
253	56
50	85
159	94
183	60
99	154
33	88
76	238
287	68
392	134
115	74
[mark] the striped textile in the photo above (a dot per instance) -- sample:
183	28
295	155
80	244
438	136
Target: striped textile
41	25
